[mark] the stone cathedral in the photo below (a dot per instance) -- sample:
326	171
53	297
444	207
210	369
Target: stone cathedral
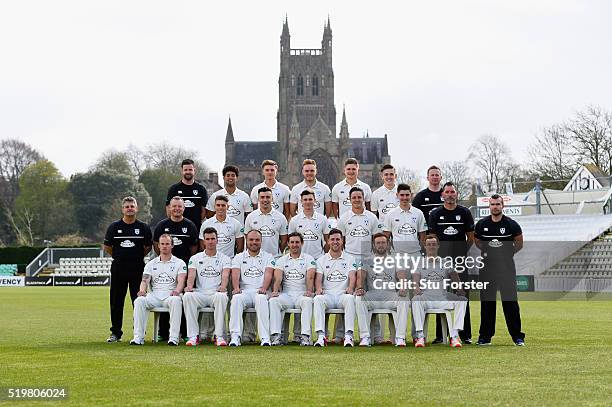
306	124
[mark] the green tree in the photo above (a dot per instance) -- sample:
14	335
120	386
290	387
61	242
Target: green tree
156	182
43	207
97	200
114	161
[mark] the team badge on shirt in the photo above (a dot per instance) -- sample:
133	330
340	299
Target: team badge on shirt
195	191
137	231
184	230
502	230
458	217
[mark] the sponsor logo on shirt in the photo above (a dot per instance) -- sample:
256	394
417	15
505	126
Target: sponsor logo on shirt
383	275
388	207
231	211
310	236
495	243
210	272
164	278
406	229
189	203
177	241
346	202
450	231
336	277
360	231
127	243
275	205
294	275
266	231
253	272
223	238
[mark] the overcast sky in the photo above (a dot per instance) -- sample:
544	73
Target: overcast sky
79	77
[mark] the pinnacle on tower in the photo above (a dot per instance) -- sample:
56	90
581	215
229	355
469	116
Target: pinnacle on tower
229	135
344	133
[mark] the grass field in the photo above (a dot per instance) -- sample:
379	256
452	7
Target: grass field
55	337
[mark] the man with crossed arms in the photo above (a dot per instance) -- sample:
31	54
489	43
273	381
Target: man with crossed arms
251	277
294	273
371	294
209	271
165	275
335	284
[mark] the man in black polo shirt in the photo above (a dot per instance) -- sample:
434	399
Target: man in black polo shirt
185	237
499	237
454	226
431	197
193	193
127	240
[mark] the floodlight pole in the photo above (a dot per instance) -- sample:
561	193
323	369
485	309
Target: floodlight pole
538	190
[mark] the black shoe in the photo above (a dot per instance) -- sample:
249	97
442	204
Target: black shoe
467	341
135	342
483	342
519	342
437	341
113	338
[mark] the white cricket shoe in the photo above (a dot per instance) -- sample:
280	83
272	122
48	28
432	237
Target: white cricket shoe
235	340
265	342
320	341
348	341
400	342
365	341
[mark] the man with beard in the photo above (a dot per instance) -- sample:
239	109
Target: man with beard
499	237
193	193
453	224
370	293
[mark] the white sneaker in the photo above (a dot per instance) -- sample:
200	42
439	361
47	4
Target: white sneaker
305	341
365	341
235	340
320	341
348	341
192	341
400	342
137	341
277	341
265	342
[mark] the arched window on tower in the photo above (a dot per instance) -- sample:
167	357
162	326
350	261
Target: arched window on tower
315	85
300	85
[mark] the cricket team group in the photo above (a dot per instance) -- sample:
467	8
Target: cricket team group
312	251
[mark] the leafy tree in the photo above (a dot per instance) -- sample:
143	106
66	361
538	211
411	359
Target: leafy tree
156	182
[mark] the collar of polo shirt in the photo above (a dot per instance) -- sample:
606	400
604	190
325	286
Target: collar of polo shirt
335	258
304	216
301	256
357	182
249	254
206	255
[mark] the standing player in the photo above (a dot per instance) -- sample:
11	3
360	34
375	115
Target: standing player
341	201
432	294
370	294
384	199
185	244
207	280
499	237
127	240
280	191
165	275
294	273
405	224
322	192
269	222
251	277
453	224
239	202
230	237
358	226
312	225
334	285
193	193
431	197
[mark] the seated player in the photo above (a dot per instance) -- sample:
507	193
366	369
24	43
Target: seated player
251	277
334	284
371	293
430	293
209	271
294	273
165	276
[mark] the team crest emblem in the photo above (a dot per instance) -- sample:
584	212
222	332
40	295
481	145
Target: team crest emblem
137	231
195	191
502	230
458	217
184	230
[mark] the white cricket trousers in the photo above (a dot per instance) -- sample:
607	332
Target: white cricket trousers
142	306
290	300
250	299
421	304
325	301
363	305
194	300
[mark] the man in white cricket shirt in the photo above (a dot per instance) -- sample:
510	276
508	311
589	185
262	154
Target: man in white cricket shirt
230	237
341	201
313	226
294	275
252	272
270	223
165	276
405	225
334	284
239	201
384	199
372	292
322	192
430	293
280	191
208	275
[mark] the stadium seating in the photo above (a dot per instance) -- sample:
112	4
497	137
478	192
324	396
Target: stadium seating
84	266
8	269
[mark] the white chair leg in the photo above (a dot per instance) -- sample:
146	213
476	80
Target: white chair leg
155	325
